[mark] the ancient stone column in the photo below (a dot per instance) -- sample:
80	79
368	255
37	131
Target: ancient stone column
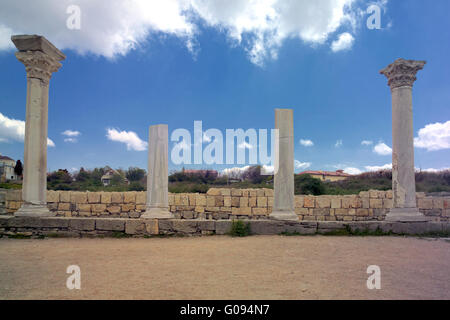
401	76
158	174
41	59
283	202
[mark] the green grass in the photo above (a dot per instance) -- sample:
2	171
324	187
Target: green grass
240	229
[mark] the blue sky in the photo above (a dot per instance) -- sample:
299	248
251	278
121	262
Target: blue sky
176	76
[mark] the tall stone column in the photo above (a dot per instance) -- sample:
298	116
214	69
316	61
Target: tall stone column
401	76
158	174
283	202
41	59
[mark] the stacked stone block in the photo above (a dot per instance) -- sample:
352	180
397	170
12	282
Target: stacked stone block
224	203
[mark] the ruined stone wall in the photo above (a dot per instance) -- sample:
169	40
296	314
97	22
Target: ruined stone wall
228	203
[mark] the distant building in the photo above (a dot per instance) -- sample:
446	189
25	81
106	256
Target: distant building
337	175
108	176
204	173
7	169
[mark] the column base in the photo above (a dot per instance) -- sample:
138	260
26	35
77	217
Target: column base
157	213
406	215
34	210
284	215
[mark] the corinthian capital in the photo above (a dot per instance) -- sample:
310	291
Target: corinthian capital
402	72
40	57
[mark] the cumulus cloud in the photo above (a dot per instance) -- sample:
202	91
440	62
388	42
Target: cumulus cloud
434	137
367	143
382	149
351	170
259	26
378	168
301	165
344	42
71	133
130	138
306	143
14	130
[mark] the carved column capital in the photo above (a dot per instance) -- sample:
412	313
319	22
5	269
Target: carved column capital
402	73
38	64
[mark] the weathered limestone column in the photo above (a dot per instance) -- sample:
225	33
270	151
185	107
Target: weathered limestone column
283	202
158	174
41	59
401	76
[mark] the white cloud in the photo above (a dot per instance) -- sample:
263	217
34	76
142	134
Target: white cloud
71	133
382	149
72	140
14	130
351	170
434	137
245	145
130	138
344	42
115	27
366	143
306	143
301	165
338	143
434	170
235	172
378	168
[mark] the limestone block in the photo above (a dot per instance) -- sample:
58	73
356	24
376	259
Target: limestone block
127	207
374	194
83	207
243	202
200	200
235	201
113	209
387	203
212	209
171	199
259	211
236	192
252	201
268	192
210	201
218	201
141	207
134	227
63	206
270	202
420	195
64	196
94	197
129	197
323	202
376	203
425	203
389	194
199	209
340	212
185	226
107	224
82	224
106	197
241	211
299	200
52	196
227	201
141	197
192	197
78	197
260	193
336	203
350	202
98	207
184	199
225	209
262	202
362	212
309	202
365	202
302	211
321	212
225	192
364	194
438	203
214	192
116	197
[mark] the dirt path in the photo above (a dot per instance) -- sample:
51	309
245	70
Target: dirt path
219	267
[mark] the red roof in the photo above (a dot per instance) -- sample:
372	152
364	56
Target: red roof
338	173
5	158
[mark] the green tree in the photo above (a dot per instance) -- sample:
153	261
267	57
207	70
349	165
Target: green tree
18	169
135	174
305	184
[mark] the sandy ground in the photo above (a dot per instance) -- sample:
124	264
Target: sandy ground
220	267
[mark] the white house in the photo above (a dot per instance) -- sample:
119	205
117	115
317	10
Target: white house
7	169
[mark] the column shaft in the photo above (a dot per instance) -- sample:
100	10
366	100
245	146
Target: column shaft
157	178
283	205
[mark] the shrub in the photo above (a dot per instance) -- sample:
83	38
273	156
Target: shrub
240	229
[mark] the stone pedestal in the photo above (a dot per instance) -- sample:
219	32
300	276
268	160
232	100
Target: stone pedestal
283	202
41	59
158	174
401	76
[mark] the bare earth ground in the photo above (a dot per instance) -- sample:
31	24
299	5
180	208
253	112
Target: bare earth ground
220	267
